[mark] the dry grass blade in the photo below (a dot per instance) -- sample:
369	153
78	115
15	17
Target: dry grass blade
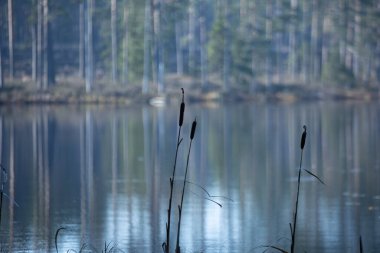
274	247
220	205
82	248
312	174
208	194
56	237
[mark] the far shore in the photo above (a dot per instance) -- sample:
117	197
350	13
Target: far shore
73	92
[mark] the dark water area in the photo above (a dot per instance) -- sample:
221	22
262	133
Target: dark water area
103	174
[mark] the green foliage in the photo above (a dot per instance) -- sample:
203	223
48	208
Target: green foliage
336	73
216	45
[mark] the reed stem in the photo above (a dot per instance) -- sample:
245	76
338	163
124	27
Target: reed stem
166	245
293	230
193	127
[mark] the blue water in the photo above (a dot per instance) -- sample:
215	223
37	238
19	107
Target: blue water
102	173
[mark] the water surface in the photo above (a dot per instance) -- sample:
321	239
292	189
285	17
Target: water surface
103	174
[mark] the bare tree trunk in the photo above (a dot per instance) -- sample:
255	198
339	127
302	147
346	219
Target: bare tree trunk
268	37
153	43
50	54
113	41
89	42
227	45
191	37
161	65
1	46
10	38
34	52
292	42
252	20
145	83
305	69
45	45
158	63
126	38
356	39
39	44
178	42
81	40
204	78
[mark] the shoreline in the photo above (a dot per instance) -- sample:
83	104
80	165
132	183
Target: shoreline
73	93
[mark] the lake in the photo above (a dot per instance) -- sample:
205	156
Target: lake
102	173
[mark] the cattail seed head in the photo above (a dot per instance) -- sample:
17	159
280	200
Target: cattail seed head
303	138
193	127
182	109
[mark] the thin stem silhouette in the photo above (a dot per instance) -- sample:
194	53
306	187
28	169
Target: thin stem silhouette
293	229
193	127
166	245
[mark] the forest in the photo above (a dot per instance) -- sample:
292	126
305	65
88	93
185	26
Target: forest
242	44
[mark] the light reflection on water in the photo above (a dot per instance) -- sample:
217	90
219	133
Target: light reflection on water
102	173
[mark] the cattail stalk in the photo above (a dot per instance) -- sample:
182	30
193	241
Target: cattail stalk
166	245
192	133
293	230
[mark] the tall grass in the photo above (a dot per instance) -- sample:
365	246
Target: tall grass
192	133
166	244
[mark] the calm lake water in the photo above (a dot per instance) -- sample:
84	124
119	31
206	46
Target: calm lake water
103	174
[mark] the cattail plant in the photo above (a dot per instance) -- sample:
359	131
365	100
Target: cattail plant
293	230
192	133
166	244
294	226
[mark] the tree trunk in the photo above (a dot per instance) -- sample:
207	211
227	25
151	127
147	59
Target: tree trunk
89	42
191	37
252	20
126	38
145	83
226	47
10	37
81	40
153	43
50	53
34	52
292	42
157	47
356	39
113	41
268	37
1	55
45	44
178	43
39	44
161	65
202	26
305	69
